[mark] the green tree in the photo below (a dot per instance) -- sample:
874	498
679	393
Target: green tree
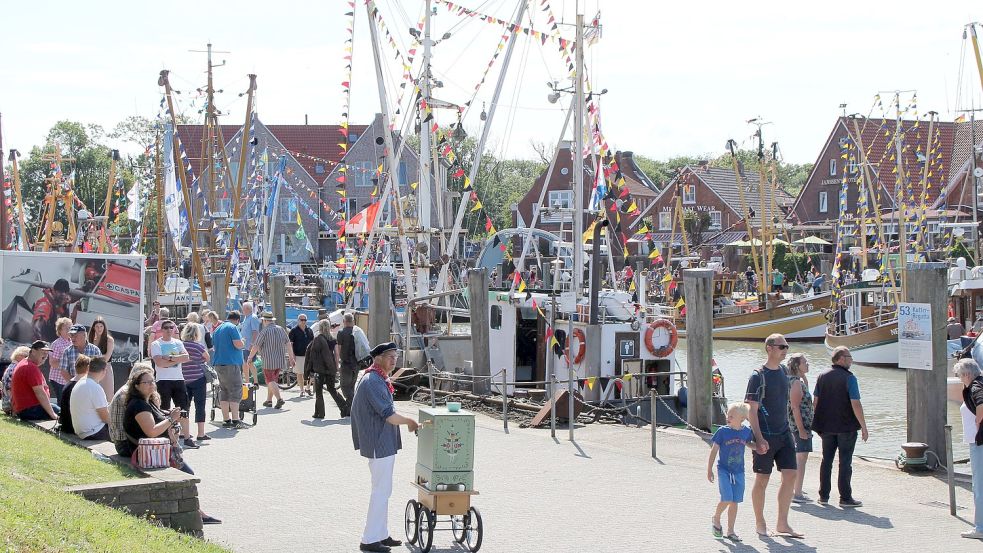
695	223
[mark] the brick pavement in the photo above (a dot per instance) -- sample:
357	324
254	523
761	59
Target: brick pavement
295	484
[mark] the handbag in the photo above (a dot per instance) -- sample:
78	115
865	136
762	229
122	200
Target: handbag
210	374
152	453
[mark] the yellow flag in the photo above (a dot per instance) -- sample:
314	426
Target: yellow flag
644	229
654	254
477	206
554	342
589	233
627	377
374	191
299	221
522	286
590	383
632	207
467	183
413	185
631	287
680	303
667	278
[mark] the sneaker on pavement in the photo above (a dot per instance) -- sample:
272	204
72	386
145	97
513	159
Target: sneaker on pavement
391	542
238	425
973	535
190	444
823	500
802	499
376	547
279	404
227	424
204	437
850	503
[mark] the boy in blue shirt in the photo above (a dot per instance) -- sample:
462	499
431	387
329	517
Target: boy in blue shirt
729	441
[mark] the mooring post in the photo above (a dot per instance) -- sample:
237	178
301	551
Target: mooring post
480	325
380	311
219	297
505	401
278	299
698	284
150	291
652	400
928	283
949	469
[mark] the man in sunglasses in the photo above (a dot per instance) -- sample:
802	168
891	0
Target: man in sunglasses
768	399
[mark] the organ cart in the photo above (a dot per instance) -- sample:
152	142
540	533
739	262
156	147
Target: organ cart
444	479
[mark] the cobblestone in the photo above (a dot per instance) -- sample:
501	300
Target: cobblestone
295	484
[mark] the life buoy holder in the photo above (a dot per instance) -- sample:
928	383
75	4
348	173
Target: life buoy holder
666	350
581	350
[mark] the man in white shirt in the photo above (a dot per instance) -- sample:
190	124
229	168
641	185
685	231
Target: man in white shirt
90	410
168	352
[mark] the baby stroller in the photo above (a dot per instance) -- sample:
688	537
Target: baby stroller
247	403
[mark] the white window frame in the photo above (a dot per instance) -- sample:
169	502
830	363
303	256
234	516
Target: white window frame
283	210
665	220
363	172
823	201
689	194
716	220
562	197
832	167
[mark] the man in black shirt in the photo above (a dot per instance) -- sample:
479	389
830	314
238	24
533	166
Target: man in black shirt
300	337
349	359
768	399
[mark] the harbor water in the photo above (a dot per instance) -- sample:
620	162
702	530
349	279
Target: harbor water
882	393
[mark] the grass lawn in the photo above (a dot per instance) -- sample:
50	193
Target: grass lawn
36	515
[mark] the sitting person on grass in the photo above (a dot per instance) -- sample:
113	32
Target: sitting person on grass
117	407
28	390
18	355
88	405
65	417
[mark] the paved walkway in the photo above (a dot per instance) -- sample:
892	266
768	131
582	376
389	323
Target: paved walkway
295	484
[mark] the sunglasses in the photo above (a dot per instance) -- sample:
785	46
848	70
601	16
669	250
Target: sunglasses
780	346
169	327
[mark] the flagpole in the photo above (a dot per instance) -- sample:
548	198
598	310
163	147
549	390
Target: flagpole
578	212
237	189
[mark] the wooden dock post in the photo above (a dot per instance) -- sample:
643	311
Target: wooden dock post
380	308
480	325
149	291
219	296
278	299
698	284
928	283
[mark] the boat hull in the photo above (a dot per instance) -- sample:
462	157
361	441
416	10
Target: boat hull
877	347
801	320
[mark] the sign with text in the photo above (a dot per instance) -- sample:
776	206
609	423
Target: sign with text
915	336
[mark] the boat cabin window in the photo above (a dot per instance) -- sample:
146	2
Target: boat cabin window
527	313
496	317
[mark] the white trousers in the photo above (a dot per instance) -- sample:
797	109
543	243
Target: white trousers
376	525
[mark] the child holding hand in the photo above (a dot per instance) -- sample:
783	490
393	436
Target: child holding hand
729	441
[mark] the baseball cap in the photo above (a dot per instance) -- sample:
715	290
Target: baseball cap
40	344
77	328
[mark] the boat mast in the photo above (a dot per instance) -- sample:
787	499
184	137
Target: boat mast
899	191
56	183
237	186
578	203
928	161
426	168
24	241
103	237
766	250
480	148
732	146
972	132
183	179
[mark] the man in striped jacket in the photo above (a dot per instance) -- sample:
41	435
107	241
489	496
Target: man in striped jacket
273	345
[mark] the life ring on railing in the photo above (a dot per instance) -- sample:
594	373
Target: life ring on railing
667	349
582	350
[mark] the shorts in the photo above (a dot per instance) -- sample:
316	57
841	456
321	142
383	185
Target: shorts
731	485
271	376
299	366
229	382
781	453
802	446
173	389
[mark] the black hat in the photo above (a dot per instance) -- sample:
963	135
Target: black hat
383	348
40	344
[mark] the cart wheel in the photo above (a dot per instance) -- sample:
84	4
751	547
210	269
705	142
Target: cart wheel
409	520
424	529
473	530
254	418
459	524
287	380
212	415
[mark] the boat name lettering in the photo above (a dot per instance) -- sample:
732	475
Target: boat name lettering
894	331
799	309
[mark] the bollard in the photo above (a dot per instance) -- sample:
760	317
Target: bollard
638	416
505	400
949	470
553	408
653	400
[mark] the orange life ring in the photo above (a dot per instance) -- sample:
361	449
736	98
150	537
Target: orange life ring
582	350
667	349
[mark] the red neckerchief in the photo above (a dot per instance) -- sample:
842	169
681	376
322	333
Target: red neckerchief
382	374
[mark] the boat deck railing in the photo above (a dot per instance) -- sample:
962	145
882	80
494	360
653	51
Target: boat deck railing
865	324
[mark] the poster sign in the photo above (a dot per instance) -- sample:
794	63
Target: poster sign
915	336
36	289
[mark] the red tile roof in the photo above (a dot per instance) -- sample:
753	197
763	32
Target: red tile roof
318	141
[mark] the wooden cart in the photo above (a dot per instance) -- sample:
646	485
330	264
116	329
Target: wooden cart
420	519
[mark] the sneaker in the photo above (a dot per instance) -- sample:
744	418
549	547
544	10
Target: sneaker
204	437
973	535
802	499
267	404
279	404
851	503
391	542
238	425
227	424
823	500
190	444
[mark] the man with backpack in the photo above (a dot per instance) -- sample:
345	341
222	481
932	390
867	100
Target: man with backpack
768	397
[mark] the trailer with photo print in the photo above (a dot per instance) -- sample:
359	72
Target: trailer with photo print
36	288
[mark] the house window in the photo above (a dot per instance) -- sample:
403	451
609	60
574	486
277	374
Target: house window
854	168
933	228
222	206
402	175
665	220
319	169
352	137
287	210
352	207
362	173
562	199
689	194
715	220
832	167
823	201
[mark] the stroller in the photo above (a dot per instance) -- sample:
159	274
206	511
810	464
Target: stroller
247	403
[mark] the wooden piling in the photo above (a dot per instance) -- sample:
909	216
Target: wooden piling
278	299
480	325
219	296
380	308
928	283
149	290
698	284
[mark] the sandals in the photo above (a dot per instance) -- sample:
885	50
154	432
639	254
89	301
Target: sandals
718	531
267	404
733	537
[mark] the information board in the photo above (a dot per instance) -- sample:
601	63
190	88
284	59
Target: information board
915	336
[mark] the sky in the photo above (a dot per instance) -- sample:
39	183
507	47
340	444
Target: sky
682	77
